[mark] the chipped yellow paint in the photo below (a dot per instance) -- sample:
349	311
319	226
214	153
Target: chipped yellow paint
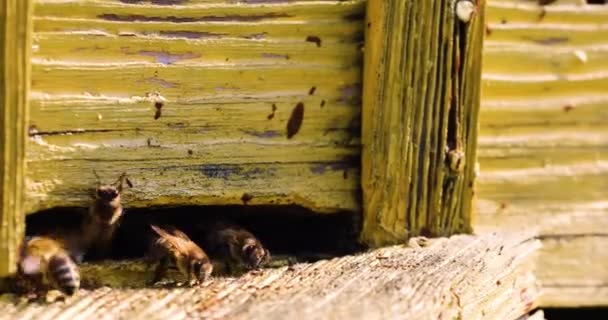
543	145
225	76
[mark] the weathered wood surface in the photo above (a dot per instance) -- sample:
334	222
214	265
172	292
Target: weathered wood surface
229	75
420	110
15	36
543	146
463	277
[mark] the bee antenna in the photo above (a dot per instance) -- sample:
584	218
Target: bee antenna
97	177
119	182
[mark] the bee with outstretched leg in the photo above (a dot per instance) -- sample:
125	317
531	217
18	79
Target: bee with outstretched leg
174	248
103	218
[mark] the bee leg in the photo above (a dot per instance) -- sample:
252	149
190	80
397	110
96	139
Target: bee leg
161	270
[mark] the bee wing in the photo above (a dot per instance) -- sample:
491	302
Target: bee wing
170	241
180	234
30	264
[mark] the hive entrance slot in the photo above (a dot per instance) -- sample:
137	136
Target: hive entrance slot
285	230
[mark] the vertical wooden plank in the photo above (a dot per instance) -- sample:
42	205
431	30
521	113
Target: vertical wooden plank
15	38
420	117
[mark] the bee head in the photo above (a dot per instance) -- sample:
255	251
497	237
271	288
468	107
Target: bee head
107	193
201	268
255	254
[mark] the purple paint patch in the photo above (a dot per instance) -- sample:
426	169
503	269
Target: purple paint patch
350	94
275	56
168	58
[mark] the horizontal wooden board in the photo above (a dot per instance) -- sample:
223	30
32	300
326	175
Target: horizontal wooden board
259	102
463	277
543	140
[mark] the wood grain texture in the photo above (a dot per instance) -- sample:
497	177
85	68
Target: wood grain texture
543	144
15	37
193	100
463	277
420	111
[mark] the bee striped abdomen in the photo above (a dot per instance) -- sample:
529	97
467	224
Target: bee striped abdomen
64	273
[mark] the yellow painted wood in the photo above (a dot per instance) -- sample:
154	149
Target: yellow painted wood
229	76
15	35
543	145
420	102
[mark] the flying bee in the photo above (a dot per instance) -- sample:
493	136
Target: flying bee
45	262
103	217
175	248
237	247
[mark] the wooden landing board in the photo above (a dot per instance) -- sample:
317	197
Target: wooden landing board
543	145
199	102
464	277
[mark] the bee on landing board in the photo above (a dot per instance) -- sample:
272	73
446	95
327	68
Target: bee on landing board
175	248
237	247
45	262
103	218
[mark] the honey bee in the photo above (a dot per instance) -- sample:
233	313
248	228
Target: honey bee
45	262
175	248
237	247
103	217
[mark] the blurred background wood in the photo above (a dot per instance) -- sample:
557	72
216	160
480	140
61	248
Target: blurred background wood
420	113
15	33
543	145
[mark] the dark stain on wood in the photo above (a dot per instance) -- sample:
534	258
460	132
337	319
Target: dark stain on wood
295	120
190	152
542	14
348	162
357	16
345	174
264	134
275	56
220	171
274	109
156	2
255	36
488	30
568	108
246	198
190	34
233	17
165	57
314	39
550	41
129	183
312	90
545	2
159	107
322	103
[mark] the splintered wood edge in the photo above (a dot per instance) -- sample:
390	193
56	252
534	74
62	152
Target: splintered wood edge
462	277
